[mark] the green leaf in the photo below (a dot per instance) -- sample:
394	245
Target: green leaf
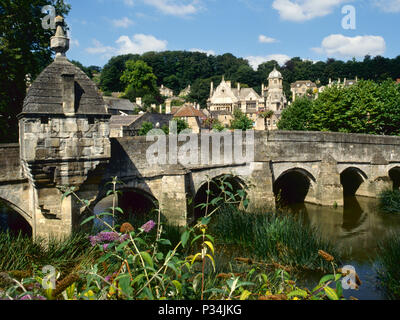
122	245
178	286
147	258
327	278
197	238
298	293
125	284
87	220
185	238
339	289
165	242
245	295
119	210
138	278
330	293
205	221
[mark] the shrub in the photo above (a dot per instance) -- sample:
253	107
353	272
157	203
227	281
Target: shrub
389	201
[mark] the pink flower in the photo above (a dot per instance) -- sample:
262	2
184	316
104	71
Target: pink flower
147	227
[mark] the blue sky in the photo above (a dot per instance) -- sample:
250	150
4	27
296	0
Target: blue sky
258	30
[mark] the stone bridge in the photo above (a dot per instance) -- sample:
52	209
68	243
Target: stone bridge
314	167
64	140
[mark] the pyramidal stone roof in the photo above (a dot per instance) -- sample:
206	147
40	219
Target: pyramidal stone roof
45	96
62	81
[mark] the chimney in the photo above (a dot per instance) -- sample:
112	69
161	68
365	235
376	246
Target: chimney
68	93
238	87
139	101
212	89
262	89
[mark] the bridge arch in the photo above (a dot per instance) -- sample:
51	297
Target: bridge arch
138	204
294	186
351	179
232	183
394	174
13	218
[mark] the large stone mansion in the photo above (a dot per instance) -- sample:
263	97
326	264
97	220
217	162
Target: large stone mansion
224	100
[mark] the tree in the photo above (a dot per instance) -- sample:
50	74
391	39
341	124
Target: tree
110	79
367	107
24	50
181	125
297	115
146	128
140	81
241	121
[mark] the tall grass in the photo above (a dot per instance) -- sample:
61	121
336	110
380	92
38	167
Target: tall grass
21	253
389	201
276	238
387	262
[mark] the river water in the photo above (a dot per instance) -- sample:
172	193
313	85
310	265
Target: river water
356	230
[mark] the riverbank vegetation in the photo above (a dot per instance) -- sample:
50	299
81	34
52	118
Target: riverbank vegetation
389	201
156	261
388	266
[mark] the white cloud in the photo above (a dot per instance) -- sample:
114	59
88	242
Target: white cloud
390	6
303	10
337	45
255	61
137	44
129	3
208	52
175	7
99	48
140	43
264	39
122	23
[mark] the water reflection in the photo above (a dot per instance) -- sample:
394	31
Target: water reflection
355	228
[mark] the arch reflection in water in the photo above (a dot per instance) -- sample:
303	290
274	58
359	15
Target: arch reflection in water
356	228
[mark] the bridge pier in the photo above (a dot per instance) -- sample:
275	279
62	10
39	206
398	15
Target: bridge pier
173	200
261	192
328	189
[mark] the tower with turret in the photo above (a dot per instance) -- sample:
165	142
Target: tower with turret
64	135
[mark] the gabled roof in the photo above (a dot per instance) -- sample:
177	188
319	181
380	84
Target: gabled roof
124	121
189	111
119	104
301	82
244	93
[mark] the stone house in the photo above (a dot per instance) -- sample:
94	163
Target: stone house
166	92
192	116
185	92
118	106
128	126
301	88
226	98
